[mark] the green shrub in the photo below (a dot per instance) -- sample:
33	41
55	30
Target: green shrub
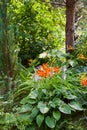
37	27
81	48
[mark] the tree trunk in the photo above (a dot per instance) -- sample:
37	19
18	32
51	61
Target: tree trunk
70	19
6	70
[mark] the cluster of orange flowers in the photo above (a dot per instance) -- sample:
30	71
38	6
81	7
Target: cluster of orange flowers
82	57
46	71
84	81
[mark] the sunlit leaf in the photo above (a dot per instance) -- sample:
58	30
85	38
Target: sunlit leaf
43	108
64	108
76	105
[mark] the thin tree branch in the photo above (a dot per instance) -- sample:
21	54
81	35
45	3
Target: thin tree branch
56	3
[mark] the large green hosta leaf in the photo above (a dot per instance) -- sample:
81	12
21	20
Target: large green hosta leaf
69	96
64	108
39	119
76	105
43	107
50	122
56	115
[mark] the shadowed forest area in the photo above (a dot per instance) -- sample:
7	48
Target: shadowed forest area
43	65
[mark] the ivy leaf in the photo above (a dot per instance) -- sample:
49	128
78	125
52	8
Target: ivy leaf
39	119
50	122
76	105
56	115
64	108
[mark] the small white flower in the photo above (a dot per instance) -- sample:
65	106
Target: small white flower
43	55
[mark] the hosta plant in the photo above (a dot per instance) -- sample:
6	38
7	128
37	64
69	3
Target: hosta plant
51	100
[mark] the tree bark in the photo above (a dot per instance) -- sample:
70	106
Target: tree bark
70	19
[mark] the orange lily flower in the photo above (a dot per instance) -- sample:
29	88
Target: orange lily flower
46	71
45	66
56	69
84	81
82	57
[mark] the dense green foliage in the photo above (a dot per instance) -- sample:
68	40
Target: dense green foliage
44	103
36	36
37	27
